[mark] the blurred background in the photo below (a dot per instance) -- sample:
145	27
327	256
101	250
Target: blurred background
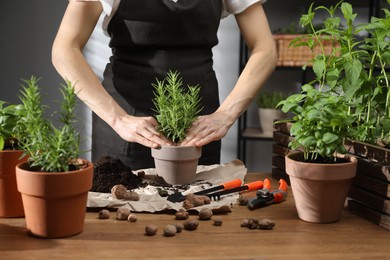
28	29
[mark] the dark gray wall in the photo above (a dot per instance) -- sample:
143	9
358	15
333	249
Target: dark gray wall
27	30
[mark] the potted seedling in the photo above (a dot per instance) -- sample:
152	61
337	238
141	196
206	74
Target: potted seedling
266	103
10	155
321	172
54	182
176	109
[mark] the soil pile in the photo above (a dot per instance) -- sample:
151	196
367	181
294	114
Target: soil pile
109	172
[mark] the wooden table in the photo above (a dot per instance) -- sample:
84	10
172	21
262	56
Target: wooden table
350	238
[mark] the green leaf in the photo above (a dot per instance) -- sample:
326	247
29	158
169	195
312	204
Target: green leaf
308	141
2	143
386	124
353	70
329	138
319	68
346	9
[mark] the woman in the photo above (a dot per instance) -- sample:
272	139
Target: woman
148	38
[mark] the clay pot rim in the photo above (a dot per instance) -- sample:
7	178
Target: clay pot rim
320	171
27	169
293	156
176	147
11	151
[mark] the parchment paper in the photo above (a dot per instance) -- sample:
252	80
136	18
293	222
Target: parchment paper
151	201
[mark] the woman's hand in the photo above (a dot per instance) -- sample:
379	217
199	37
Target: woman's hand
141	130
207	128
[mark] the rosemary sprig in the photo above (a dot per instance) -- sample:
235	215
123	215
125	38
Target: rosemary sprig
176	108
50	148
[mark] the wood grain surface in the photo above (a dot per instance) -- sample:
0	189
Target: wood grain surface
350	238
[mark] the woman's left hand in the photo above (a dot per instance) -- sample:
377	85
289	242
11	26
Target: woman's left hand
206	129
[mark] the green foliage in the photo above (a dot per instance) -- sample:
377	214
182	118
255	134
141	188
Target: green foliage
269	99
50	148
353	76
176	107
9	116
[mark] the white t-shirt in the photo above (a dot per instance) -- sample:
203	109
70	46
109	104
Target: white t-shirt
228	7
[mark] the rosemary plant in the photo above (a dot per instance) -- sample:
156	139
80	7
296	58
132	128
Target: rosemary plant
50	148
176	107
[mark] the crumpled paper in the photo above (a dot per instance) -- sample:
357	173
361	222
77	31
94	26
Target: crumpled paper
151	201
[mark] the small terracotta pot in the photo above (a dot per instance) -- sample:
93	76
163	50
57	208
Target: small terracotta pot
11	205
267	117
320	190
54	202
177	164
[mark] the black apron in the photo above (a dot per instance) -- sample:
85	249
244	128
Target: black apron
148	38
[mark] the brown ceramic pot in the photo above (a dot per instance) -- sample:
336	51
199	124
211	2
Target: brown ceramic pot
320	190
54	203
177	164
10	199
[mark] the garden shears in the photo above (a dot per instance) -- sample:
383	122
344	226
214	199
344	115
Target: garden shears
266	196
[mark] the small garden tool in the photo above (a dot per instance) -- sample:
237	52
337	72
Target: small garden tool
179	197
246	187
265	196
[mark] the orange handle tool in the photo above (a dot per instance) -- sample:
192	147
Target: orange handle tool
224	186
254	185
246	187
281	193
267	184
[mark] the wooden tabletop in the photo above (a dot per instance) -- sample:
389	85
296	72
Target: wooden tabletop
350	238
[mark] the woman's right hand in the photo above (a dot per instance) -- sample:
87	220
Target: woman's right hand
142	130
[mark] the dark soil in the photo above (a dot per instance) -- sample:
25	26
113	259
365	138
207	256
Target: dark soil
109	172
324	160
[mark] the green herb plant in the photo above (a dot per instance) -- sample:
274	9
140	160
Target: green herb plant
50	148
176	107
349	97
269	99
9	116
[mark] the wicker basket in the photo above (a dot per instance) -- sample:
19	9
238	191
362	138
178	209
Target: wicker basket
296	56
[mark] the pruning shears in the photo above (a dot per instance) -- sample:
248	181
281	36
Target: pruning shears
266	196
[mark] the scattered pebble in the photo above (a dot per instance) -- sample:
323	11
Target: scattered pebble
244	223
181	214
150	230
132	218
192	200
205	214
122	213
191	224
118	191
132	196
170	230
217	221
179	227
243	200
104	214
253	223
266	224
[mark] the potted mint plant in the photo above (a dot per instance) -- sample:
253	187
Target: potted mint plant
54	182
176	109
322	171
10	155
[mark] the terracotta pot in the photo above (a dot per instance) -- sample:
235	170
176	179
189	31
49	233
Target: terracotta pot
177	164
54	203
267	117
319	190
11	205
